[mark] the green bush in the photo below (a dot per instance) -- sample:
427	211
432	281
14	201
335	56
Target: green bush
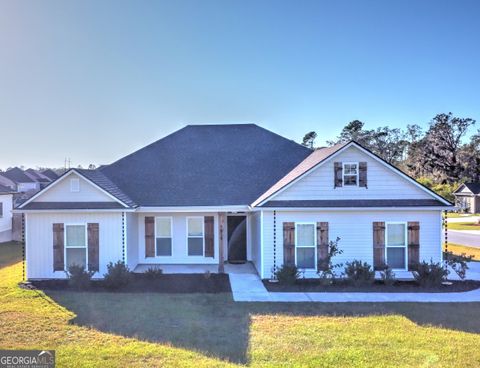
430	274
388	276
153	273
359	273
118	275
78	277
459	263
287	274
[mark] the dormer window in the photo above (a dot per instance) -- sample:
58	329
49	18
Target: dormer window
75	185
350	173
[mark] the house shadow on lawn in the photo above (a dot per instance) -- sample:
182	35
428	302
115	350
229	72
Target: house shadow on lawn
218	327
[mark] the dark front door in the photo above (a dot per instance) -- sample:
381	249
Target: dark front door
237	239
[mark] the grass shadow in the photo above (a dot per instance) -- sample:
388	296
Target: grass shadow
216	326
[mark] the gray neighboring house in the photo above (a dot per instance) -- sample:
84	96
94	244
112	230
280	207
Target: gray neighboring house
6	206
467	197
49	173
17	180
37	176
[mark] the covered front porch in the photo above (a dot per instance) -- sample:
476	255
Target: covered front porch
245	268
189	242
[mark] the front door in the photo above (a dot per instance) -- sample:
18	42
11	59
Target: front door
237	239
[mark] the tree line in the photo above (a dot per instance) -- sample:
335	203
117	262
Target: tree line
440	157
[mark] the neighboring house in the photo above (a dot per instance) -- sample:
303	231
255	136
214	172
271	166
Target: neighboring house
467	197
38	177
6	206
214	193
16	179
49	173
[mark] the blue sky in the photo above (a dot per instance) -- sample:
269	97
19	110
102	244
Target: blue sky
95	80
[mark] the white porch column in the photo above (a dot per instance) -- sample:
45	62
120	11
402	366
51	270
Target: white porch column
222	241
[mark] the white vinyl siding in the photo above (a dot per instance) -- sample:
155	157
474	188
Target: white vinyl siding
355	231
61	192
39	240
6	218
383	182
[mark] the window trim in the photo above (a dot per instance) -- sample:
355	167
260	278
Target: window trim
163	237
76	188
195	237
1	209
314	243
65	225
357	175
405	223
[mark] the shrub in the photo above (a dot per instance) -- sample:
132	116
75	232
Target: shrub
388	276
287	274
118	275
78	277
458	263
153	273
326	268
430	274
359	273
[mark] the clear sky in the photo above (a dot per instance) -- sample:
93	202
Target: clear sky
95	80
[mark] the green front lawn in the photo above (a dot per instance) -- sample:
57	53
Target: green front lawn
205	330
464	226
458	215
10	253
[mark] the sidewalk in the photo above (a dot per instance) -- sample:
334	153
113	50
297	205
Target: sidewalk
249	288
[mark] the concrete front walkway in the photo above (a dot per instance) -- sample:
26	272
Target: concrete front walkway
249	288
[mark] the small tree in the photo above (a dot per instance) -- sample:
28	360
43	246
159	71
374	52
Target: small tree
458	263
326	267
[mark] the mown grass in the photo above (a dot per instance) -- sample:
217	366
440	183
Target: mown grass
161	330
464	226
460	249
458	215
10	253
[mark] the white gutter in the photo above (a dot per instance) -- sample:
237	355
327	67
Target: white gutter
431	208
19	210
194	209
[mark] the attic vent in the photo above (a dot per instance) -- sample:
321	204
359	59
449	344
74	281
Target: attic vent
75	185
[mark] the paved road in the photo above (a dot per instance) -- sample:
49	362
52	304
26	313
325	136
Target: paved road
464	238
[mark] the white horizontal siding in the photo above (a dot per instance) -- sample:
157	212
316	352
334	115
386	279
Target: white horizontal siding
60	192
383	182
355	231
255	236
6	218
179	240
132	239
39	240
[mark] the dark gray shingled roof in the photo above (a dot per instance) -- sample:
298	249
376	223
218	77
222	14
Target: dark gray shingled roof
106	184
206	165
473	187
72	206
351	203
17	176
50	173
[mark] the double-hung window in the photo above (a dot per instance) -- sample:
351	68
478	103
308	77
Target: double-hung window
195	236
163	236
76	245
396	245
305	245
350	173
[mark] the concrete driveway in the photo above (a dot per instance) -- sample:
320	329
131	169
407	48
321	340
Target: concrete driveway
465	237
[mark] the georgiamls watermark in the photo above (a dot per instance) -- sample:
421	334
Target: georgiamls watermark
27	358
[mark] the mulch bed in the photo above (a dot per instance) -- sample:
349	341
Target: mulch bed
313	285
168	283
